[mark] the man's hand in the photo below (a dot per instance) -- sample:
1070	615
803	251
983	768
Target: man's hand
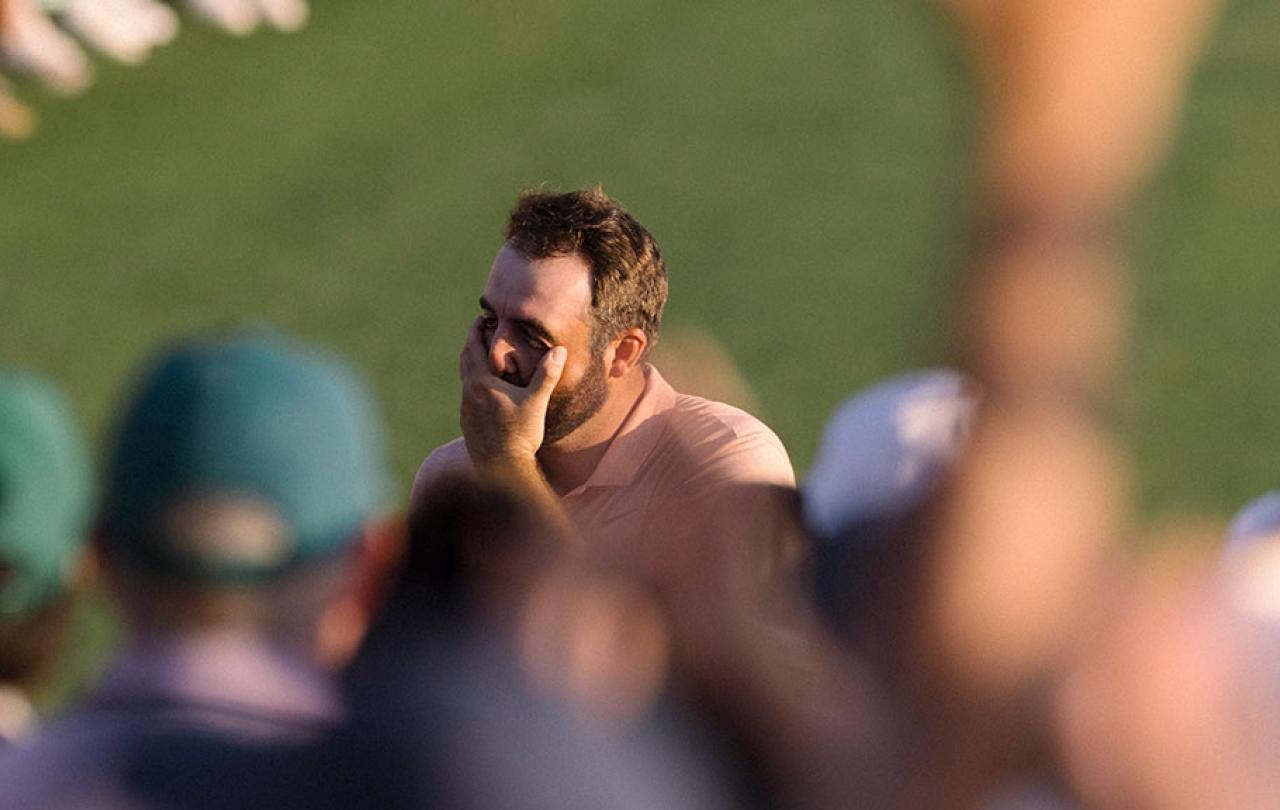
504	424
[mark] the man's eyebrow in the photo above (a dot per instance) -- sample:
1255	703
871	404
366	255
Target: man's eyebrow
536	328
532	325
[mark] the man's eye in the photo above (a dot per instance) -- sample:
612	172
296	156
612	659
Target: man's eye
535	342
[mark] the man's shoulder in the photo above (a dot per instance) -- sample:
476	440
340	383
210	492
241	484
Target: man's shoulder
724	442
718	416
446	460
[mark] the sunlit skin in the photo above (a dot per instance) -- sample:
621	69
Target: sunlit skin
528	307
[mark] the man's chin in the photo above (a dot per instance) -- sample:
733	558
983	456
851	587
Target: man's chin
570	410
556	434
561	426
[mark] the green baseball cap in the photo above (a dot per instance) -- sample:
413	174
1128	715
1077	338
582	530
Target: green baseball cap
46	493
243	456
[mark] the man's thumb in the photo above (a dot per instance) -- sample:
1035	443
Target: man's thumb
548	373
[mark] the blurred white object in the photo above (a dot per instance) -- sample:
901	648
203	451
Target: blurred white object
31	45
884	448
243	17
1258	521
1251	558
123	30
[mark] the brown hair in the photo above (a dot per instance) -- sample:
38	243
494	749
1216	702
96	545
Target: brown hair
628	276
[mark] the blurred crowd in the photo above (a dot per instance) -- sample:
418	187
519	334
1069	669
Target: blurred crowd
609	592
47	43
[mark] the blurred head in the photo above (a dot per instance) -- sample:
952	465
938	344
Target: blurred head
45	502
577	271
474	549
491	565
884	451
245	475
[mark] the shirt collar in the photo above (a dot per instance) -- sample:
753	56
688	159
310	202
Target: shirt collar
636	438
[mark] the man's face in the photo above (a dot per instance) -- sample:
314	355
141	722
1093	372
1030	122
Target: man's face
531	305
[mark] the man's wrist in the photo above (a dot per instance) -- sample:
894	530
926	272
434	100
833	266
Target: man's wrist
506	464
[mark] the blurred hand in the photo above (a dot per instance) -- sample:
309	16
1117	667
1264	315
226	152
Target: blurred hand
243	17
504	424
123	30
1082	95
31	46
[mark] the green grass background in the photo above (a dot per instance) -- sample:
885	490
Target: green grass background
804	166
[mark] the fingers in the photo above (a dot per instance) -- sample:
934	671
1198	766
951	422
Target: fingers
123	30
243	17
474	360
285	15
33	46
548	374
236	17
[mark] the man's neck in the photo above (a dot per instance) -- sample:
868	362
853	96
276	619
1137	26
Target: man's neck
571	461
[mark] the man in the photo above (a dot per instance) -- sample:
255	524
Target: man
45	503
557	395
242	492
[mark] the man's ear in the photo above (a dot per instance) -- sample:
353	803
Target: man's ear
628	352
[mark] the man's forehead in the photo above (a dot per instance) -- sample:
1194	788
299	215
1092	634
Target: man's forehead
556	288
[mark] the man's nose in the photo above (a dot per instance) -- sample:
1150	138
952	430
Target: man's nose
502	357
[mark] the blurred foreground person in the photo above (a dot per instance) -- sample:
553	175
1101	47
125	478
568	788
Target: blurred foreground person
467	692
1171	701
1010	555
797	720
243	487
45	508
885	455
884	452
491	678
558	396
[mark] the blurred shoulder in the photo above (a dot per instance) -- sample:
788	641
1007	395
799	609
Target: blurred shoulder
76	761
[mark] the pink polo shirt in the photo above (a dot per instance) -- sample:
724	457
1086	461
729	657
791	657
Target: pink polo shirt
672	455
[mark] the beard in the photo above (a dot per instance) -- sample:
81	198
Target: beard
570	408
